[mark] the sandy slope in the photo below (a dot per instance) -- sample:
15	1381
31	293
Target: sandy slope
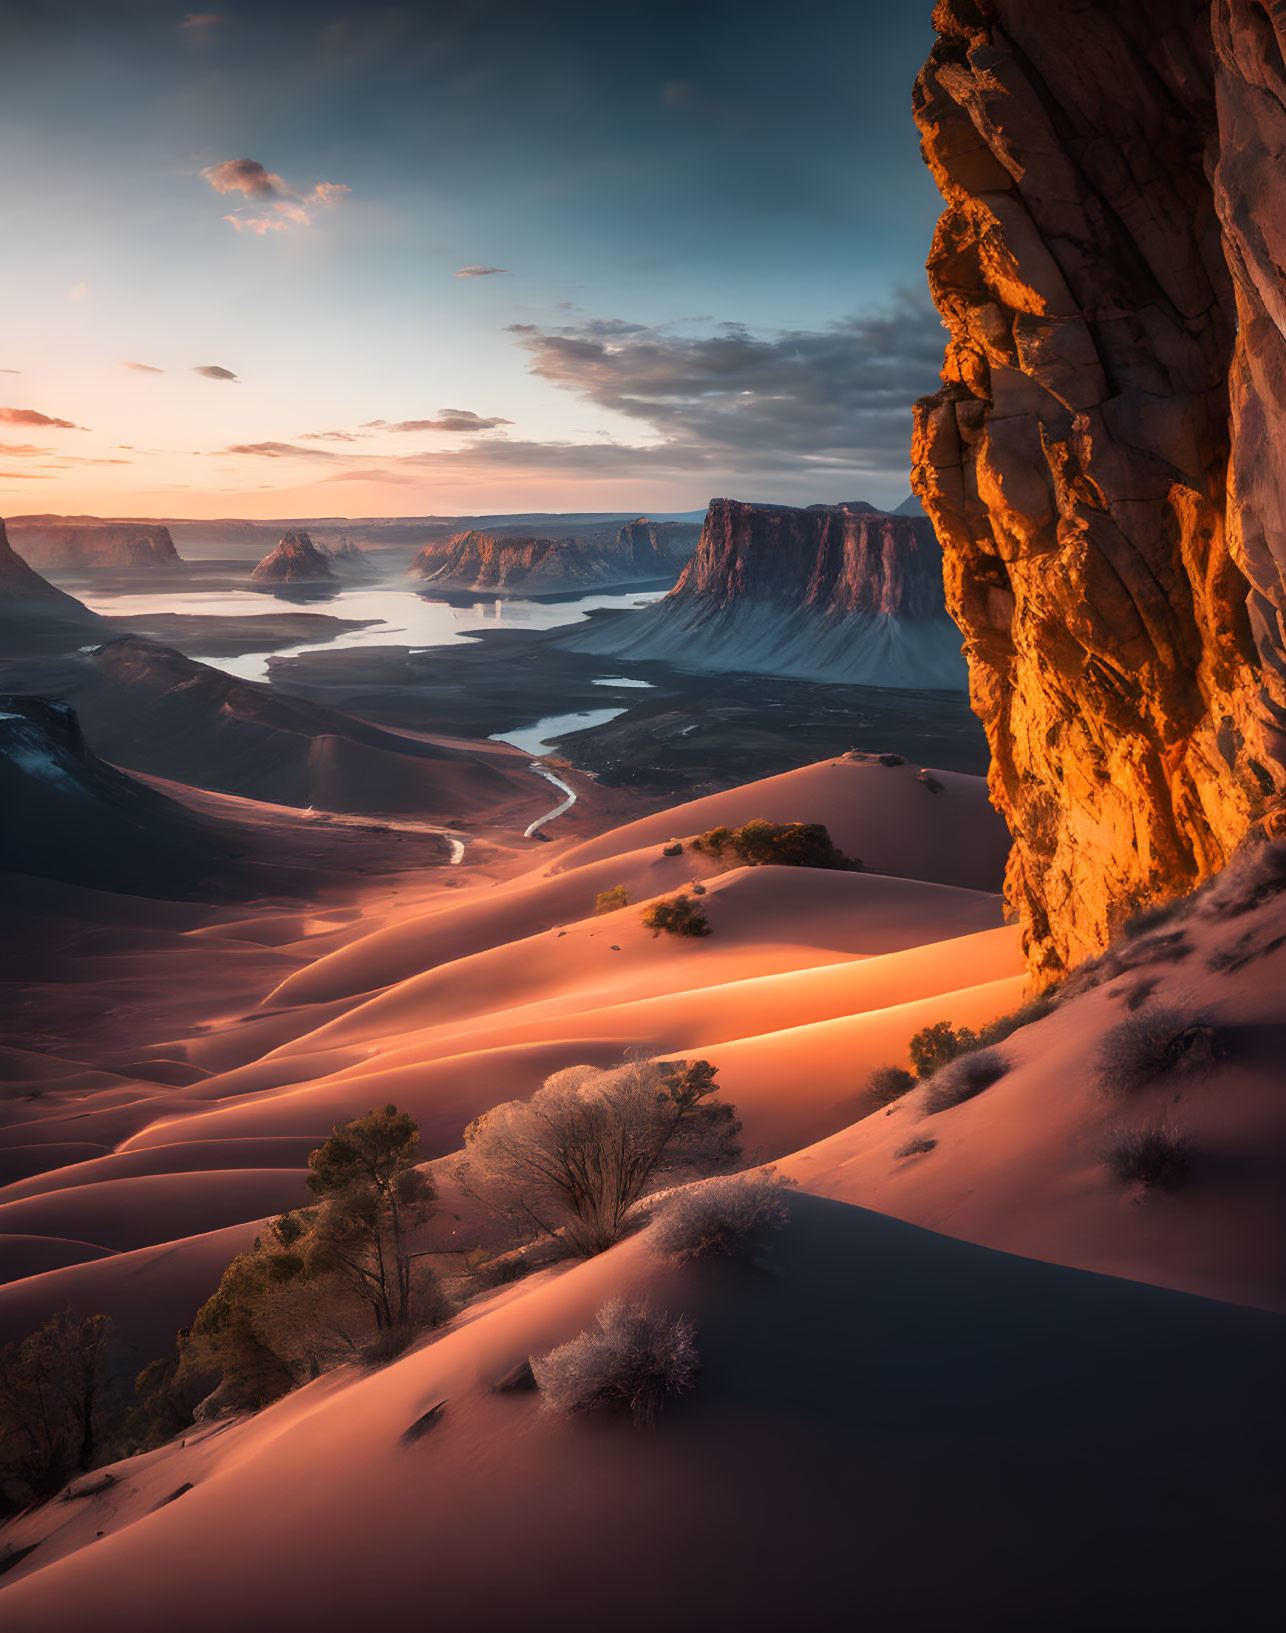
946	1440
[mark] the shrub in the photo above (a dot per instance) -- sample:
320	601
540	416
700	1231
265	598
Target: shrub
676	916
52	1386
1156	1155
608	901
1004	1026
1252	944
915	1148
963	1078
936	1046
760	843
889	1083
719	1216
672	847
582	1151
1152	1046
633	1363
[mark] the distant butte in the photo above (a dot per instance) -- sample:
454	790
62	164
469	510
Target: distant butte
296	560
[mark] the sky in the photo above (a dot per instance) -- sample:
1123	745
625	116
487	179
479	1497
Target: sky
461	257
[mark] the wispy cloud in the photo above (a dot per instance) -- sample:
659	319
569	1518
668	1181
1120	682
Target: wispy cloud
278	450
10	450
482	272
202	23
142	368
212	371
29	416
24	476
448	419
281	205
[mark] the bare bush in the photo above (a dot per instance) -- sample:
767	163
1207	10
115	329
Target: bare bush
581	1152
915	1148
1027	1014
719	1216
1255	874
1157	1155
889	1083
635	1361
1155	1045
961	1079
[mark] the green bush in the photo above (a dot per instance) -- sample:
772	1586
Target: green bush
677	916
608	901
938	1045
760	843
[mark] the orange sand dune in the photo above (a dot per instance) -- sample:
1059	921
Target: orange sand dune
950	1430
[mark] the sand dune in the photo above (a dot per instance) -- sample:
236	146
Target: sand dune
887	1465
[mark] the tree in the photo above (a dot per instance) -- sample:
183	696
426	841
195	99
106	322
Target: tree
677	916
581	1152
372	1196
51	1401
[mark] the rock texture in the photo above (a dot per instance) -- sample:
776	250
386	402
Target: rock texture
524	564
60	541
655	548
834	592
296	560
349	558
1104	462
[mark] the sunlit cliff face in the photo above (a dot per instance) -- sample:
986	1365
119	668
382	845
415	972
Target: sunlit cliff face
1076	461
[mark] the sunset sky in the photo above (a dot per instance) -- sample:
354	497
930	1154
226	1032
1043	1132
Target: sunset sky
284	259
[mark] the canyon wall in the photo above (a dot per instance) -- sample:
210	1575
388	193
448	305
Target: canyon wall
1103	463
843	593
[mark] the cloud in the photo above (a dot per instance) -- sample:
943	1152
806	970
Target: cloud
24	476
246	176
10	371
11	449
202	22
278	450
142	368
286	207
329	436
399	477
29	416
834	397
482	272
212	371
448	419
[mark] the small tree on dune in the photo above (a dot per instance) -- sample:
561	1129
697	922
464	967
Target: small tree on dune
373	1196
581	1152
52	1385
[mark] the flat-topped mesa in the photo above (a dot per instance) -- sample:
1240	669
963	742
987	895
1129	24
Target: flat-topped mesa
55	541
830	559
1112	509
845	593
296	560
516	562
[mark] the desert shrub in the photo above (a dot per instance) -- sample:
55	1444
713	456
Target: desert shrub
889	1083
637	1359
963	1078
579	1154
1155	916
672	847
1155	1045
52	1400
936	1046
719	1216
608	901
916	1147
1157	1155
1251	945
1004	1026
932	783
676	916
760	843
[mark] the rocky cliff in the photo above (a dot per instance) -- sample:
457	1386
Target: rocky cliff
296	560
834	592
1104	462
57	541
34	611
655	548
524	564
